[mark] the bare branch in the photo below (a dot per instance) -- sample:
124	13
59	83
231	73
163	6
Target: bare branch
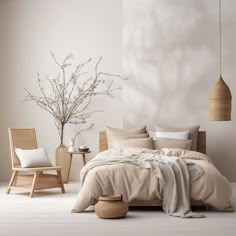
68	96
86	129
55	60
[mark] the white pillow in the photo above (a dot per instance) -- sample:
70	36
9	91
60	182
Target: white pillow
175	135
33	158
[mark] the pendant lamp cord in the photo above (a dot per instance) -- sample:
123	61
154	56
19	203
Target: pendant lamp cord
220	31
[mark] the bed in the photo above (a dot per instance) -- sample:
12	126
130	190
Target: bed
201	147
212	189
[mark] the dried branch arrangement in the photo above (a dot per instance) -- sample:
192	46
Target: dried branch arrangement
68	96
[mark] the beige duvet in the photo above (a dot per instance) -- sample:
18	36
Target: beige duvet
137	183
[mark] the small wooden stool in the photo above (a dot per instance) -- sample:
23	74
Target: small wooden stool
111	207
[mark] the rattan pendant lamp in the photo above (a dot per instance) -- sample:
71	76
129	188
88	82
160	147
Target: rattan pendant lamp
220	98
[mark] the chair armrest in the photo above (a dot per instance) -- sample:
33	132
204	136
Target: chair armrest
38	168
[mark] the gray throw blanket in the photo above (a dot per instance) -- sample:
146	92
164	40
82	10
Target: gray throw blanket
175	175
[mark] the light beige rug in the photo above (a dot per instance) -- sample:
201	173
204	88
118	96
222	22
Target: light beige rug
49	214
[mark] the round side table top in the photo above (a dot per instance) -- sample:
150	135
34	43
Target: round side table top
79	152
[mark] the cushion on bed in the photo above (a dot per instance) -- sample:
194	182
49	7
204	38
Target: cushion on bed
172	143
118	134
193	132
129	136
146	143
134	136
173	135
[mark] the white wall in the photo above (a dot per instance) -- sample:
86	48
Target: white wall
29	31
171	49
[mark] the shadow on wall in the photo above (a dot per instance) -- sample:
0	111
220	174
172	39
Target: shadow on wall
169	52
170	48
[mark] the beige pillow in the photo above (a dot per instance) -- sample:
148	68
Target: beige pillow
152	133
114	133
133	136
172	143
129	136
137	143
193	133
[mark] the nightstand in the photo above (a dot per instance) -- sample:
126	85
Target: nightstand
78	154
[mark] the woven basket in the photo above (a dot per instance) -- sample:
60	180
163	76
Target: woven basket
220	100
111	207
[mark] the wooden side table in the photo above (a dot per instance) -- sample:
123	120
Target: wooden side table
78	153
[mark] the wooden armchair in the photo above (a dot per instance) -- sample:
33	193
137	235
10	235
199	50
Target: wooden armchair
35	179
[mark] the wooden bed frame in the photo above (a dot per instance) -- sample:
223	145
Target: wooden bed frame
201	147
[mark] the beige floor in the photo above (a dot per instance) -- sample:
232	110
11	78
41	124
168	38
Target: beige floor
49	214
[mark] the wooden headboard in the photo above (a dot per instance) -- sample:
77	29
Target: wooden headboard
201	141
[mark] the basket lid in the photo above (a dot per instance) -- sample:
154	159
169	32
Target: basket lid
115	197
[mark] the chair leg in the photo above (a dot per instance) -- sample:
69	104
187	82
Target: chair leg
11	181
36	174
60	181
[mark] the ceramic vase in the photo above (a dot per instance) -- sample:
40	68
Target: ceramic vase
71	145
63	159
